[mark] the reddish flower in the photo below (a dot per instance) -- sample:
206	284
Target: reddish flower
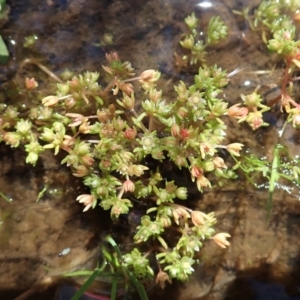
184	133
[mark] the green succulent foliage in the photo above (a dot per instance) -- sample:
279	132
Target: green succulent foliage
138	263
216	31
194	43
121	154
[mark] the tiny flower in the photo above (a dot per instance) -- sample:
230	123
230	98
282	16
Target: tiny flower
127	102
50	100
188	42
12	138
181	193
32	158
155	95
127	88
237	112
208	166
87	200
136	170
219	163
85	127
81	171
110	57
30	84
234	148
78	119
206	149
128	186
130	133
175	130
68	141
196	172
255	120
191	21
220	239
87	160
74	84
182	112
23	127
149	76
202	182
197	218
184	133
161	279
179	213
252	100
70	102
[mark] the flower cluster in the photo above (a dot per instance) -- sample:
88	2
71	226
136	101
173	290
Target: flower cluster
109	152
251	112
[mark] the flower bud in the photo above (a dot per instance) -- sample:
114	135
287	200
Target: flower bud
23	127
220	239
130	133
12	138
202	182
180	162
81	171
126	88
48	135
85	128
234	148
237	112
128	186
181	193
155	95
31	83
182	112
50	100
184	133
179	213
219	163
191	21
149	76
255	120
252	100
275	45
208	166
175	130
82	148
70	102
197	218
74	84
87	200
188	42
127	102
195	172
136	170
87	160
32	158
161	279
58	127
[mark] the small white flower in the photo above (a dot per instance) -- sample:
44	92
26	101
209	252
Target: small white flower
220	239
87	200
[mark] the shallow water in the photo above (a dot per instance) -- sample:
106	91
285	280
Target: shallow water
76	34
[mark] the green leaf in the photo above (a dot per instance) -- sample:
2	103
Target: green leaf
114	289
4	55
87	283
